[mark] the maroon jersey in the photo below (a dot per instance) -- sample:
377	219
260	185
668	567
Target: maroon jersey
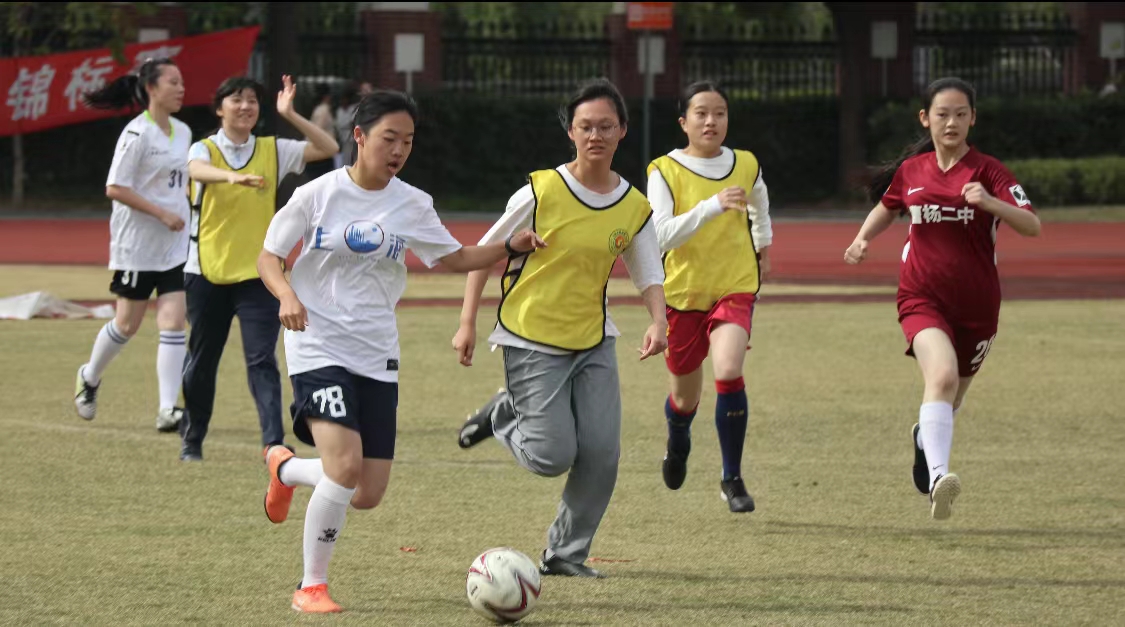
950	253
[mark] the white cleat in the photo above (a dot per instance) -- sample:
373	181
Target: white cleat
168	419
946	489
85	397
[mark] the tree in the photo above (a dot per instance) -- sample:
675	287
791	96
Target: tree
36	28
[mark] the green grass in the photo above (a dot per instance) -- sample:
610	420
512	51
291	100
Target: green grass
102	525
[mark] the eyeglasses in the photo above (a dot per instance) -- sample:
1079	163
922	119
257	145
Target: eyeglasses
603	130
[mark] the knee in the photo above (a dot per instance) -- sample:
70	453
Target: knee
128	328
727	372
170	320
347	471
263	359
944	381
553	462
368	500
685	401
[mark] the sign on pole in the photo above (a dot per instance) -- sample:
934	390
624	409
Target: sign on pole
648	17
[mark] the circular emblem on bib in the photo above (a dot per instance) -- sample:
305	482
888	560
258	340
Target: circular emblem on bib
363	236
618	241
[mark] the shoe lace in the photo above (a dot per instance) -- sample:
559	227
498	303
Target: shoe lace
736	488
317	593
89	393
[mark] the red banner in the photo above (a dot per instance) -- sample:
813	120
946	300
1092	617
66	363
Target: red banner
38	93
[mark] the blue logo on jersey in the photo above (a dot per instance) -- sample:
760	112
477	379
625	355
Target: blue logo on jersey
364	236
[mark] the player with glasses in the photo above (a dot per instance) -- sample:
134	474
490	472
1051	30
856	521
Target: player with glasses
560	412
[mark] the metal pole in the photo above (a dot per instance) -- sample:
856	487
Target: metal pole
647	134
884	77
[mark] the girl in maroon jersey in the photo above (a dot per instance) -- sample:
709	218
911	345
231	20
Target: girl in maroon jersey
949	290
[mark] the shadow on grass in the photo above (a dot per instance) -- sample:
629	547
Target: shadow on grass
894	580
1114	536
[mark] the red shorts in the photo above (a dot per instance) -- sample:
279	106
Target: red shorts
689	332
971	339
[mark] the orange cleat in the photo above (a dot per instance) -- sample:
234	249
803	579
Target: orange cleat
278	495
315	600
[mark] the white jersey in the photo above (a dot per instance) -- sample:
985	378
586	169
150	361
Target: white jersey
290	160
351	271
642	257
154	166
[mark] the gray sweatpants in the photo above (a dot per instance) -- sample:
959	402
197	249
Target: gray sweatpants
567	417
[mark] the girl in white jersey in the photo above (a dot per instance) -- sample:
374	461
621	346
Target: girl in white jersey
148	244
341	339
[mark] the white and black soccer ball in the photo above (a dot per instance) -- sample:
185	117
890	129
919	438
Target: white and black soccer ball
503	585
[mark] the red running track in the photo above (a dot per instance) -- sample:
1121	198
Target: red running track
1069	260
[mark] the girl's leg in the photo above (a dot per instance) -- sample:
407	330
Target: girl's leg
113	337
679	412
110	340
171	310
373	482
937	359
728	354
341	452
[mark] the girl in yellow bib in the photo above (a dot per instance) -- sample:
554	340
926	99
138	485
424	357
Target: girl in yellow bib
712	219
560	411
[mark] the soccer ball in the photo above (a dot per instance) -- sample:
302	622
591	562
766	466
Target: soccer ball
503	585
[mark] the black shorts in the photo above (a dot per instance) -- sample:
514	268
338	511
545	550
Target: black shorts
358	403
134	285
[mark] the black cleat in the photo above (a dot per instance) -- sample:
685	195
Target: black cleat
675	469
558	566
921	473
735	494
478	427
191	453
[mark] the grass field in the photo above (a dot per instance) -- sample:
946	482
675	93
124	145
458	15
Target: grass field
102	525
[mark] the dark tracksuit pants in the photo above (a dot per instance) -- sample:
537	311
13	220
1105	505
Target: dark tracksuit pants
211	309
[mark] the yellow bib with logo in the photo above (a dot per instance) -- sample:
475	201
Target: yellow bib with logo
720	259
557	297
233	219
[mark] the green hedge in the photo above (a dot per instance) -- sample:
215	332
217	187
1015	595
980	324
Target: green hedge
484	147
473	152
1055	182
1019	128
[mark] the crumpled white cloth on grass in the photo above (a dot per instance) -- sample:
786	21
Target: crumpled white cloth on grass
44	305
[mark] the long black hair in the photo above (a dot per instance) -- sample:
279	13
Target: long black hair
595	89
700	87
128	90
882	179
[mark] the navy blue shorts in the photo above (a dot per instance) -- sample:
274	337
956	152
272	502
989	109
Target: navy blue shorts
358	403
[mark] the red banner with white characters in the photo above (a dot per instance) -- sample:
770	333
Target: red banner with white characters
38	93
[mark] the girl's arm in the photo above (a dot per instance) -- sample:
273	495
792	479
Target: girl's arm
203	172
126	196
877	221
1024	222
321	144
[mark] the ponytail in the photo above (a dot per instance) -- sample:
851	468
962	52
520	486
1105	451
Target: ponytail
128	90
121	93
882	179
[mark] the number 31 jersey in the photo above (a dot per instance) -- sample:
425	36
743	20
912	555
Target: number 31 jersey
950	252
153	165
